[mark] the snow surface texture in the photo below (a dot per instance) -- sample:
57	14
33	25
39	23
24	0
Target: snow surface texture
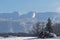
53	34
28	38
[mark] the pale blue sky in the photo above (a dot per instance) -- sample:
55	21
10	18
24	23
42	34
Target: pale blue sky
24	6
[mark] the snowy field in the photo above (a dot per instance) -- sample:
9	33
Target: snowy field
28	38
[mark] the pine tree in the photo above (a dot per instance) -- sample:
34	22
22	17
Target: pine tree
49	26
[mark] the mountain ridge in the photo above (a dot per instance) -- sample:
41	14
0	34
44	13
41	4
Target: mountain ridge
25	21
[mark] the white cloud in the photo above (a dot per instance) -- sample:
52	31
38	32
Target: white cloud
21	13
58	9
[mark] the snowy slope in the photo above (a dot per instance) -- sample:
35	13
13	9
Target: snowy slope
28	38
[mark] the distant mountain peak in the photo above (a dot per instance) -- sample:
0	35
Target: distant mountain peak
33	15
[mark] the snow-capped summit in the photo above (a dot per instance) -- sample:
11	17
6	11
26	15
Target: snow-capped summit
33	16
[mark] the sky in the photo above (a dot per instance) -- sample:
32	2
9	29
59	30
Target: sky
24	6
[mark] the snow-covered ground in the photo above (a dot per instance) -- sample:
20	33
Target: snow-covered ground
28	38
